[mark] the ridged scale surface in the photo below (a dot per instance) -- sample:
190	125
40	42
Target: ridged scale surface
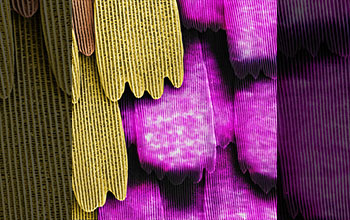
79	214
313	135
35	134
306	24
7	55
138	42
56	20
99	150
83	24
26	8
76	74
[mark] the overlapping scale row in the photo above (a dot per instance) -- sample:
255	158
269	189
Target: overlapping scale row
182	143
212	108
224	194
251	28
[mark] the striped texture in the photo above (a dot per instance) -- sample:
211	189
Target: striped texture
175	134
76	74
308	23
83	24
143	197
224	194
221	84
56	19
255	125
7	53
231	195
79	214
251	28
202	14
99	151
182	202
138	42
35	135
26	8
182	143
313	137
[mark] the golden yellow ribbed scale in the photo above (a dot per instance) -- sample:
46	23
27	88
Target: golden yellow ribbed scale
138	42
7	54
56	20
79	214
76	74
99	151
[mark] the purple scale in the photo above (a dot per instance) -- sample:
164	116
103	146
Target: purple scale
175	134
255	123
221	83
230	195
251	27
